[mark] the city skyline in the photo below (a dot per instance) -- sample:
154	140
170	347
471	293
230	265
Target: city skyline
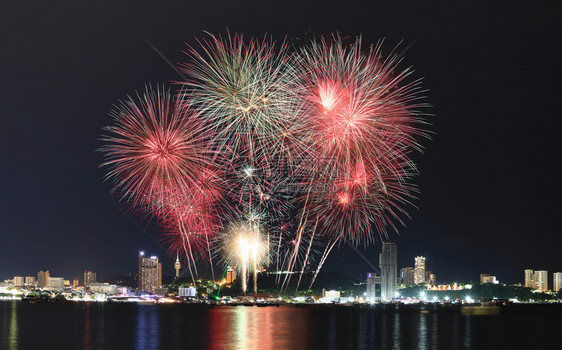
381	285
488	180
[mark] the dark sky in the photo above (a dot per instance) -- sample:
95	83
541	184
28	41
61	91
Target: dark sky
489	180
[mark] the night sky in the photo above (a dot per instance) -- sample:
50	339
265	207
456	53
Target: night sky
489	180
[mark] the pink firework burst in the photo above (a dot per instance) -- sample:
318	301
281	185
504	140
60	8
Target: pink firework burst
156	147
362	120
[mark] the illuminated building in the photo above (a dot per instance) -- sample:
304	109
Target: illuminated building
332	294
105	288
372	282
407	276
150	273
529	279
487	278
30	280
419	270
55	283
448	287
541	280
556	281
43	278
187	292
75	283
177	266
18	281
230	274
432	278
388	266
89	278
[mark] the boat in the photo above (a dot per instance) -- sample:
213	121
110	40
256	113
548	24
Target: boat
483	308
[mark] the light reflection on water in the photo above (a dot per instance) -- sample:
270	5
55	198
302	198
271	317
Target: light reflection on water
256	328
13	338
125	326
147	327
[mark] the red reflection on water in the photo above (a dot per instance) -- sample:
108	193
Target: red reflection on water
251	327
87	339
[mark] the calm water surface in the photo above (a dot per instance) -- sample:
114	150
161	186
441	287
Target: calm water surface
133	326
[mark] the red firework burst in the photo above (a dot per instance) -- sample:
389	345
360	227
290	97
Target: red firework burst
362	124
155	148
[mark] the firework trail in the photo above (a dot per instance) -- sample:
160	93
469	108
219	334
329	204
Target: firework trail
155	147
267	153
158	158
240	89
363	122
245	245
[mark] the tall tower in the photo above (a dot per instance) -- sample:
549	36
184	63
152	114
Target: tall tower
419	270
177	265
89	277
541	280
556	281
150	273
529	278
389	272
43	278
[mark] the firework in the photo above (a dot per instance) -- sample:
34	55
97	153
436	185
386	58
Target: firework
267	154
245	245
362	123
240	89
156	148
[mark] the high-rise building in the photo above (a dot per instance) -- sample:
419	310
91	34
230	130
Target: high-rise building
150	273
407	276
30	280
89	278
75	283
541	280
18	281
432	279
419	269
230	274
372	282
177	266
43	278
556	281
388	266
529	278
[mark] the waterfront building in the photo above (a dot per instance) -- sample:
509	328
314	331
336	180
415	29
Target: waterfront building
187	292
43	278
373	284
7	284
529	278
105	288
150	273
541	280
331	294
407	276
487	278
75	283
89	278
177	266
55	283
230	274
388	266
556	281
30	280
419	269
18	281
